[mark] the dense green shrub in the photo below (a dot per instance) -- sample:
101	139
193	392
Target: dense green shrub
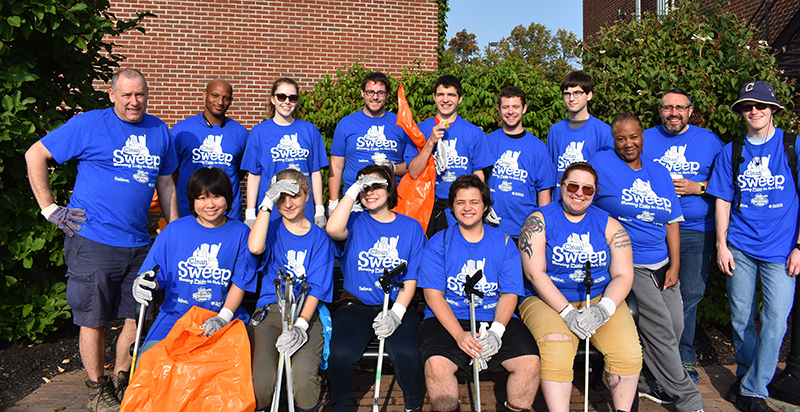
51	52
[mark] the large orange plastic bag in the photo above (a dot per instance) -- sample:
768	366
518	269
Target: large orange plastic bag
415	196
189	372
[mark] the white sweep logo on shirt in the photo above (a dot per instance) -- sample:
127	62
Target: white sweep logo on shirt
382	255
456	284
203	294
759	178
136	154
646	216
674	159
203	267
506	186
295	264
572	153
576	251
289	150
375	139
642	196
760	200
453	159
210	152
507	167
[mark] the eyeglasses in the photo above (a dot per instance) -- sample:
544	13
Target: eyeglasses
748	107
669	108
282	97
576	94
588	190
371	93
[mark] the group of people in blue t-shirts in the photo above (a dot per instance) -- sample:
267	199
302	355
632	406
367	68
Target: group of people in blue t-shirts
557	236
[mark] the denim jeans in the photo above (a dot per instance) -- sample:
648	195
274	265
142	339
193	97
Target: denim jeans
352	331
757	355
697	249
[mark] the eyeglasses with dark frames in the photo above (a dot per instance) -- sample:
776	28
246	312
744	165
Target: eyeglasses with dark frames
282	97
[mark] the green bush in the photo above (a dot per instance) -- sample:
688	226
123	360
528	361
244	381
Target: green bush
51	52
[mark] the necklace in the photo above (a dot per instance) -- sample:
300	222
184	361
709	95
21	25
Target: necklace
757	160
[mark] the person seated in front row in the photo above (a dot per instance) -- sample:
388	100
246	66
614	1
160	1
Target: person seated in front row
303	251
556	242
445	343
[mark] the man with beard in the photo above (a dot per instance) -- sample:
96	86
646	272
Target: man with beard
688	153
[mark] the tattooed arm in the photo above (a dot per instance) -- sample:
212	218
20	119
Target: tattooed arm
532	244
621	266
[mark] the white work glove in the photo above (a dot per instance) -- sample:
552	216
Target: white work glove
291	340
319	216
288	186
440	158
364	183
66	219
142	288
250	217
384	326
491	341
380	159
591	318
212	325
492	218
332	206
570	316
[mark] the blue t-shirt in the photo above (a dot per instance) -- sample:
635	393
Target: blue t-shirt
521	169
200	146
643	201
372	246
309	255
567	145
467	152
445	266
358	137
688	155
272	148
765	226
569	246
118	165
198	265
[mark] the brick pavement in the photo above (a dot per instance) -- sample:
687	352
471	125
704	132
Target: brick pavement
67	393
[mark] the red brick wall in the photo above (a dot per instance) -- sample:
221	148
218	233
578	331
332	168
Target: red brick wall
253	42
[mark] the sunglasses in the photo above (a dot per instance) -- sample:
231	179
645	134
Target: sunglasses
292	97
747	107
588	190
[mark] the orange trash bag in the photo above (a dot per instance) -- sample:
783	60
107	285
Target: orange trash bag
189	372
415	196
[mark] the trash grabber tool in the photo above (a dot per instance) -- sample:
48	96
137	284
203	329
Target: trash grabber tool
276	394
469	289
140	325
288	324
386	283
588	282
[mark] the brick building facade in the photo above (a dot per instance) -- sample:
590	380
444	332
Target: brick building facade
253	42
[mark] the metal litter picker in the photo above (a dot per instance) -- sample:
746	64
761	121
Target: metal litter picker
469	289
386	283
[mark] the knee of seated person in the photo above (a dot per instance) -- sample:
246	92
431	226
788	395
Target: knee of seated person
626	361
557	356
439	366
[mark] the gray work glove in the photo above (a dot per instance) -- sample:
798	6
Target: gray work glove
250	217
332	206
384	326
363	183
492	218
142	288
591	318
66	219
214	324
380	159
319	216
291	340
288	186
440	158
491	339
570	316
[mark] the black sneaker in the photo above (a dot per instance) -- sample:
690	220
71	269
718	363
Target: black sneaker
120	382
101	396
657	394
753	404
733	392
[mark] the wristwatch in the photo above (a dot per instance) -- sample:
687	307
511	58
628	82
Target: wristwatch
797	246
702	188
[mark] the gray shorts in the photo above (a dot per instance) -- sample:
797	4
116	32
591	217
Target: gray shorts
100	280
